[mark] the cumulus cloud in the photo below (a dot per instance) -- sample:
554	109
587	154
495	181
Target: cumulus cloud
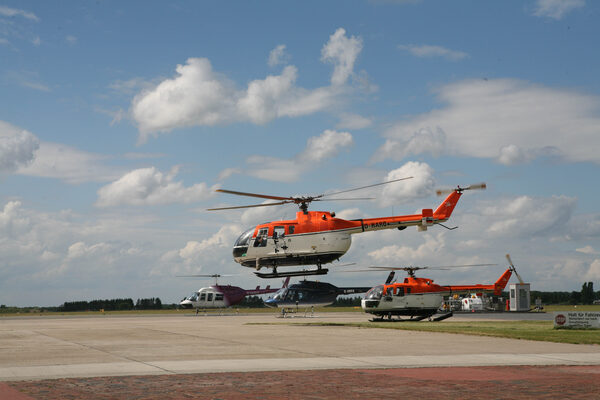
394	254
428	51
508	120
69	164
341	51
17	147
587	250
421	185
593	273
196	255
15	12
556	9
525	216
148	186
353	121
199	96
318	149
278	56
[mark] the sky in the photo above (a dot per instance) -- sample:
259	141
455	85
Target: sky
118	120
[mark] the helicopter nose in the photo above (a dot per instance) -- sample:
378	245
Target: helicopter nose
270	303
185	303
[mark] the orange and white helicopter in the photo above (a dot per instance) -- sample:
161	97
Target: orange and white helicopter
420	298
318	237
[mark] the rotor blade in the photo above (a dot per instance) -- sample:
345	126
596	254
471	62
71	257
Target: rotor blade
365	187
459	189
509	260
347	199
202	276
250	206
477	186
442	267
262	196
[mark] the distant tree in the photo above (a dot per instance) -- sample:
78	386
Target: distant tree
587	293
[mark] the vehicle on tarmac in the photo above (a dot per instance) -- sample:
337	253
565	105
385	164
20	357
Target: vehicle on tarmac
308	294
420	298
222	296
318	237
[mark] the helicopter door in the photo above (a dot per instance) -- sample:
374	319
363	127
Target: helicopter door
209	299
261	238
279	238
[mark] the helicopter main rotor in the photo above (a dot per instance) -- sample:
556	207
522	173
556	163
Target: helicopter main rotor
301	201
411	270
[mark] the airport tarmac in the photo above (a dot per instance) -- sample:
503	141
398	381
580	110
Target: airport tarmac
35	348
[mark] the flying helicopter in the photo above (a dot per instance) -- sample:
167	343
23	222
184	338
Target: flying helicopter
222	296
309	294
420	298
318	237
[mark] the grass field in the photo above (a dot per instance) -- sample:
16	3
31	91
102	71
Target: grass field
525	330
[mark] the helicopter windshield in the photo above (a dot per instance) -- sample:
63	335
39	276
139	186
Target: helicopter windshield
244	238
375	293
193	297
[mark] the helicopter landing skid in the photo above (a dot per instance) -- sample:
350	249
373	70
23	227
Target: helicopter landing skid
320	271
412	319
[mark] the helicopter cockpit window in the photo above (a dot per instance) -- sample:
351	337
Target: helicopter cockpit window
375	293
193	297
202	296
400	291
261	238
278	232
244	238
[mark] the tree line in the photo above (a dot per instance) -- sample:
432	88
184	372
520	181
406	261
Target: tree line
153	303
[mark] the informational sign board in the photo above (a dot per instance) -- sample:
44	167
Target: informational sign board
577	319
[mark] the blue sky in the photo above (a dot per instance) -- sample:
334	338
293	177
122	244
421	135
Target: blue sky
119	119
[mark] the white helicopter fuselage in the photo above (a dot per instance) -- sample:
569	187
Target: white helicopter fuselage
298	249
205	298
406	304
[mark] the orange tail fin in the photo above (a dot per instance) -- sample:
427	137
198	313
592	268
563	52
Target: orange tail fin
502	282
445	209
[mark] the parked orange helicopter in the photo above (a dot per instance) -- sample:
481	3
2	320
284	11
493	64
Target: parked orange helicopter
420	298
317	237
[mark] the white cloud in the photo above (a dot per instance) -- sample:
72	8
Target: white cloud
593	273
342	52
318	149
17	147
14	12
353	121
148	186
197	95
278	56
428	51
72	40
200	255
505	119
394	255
264	100
74	166
556	9
421	185
587	250
525	216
